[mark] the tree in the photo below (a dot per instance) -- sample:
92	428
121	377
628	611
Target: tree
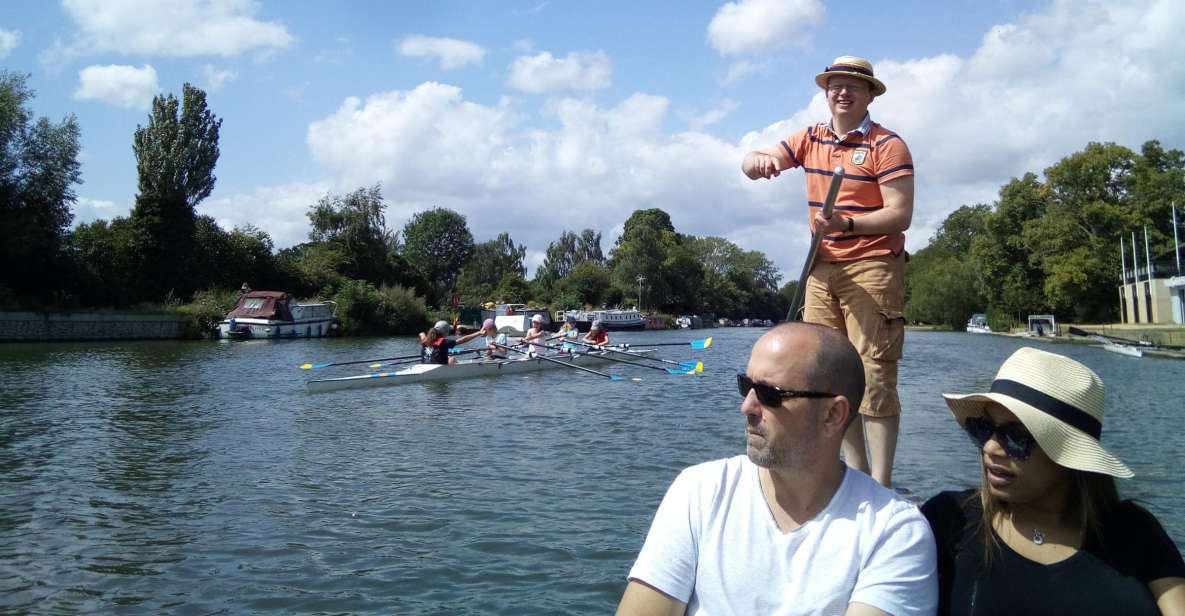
490	262
352	238
589	282
567	253
103	262
1011	282
38	168
438	244
175	158
942	285
647	241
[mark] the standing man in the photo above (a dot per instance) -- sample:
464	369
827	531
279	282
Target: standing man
858	282
787	528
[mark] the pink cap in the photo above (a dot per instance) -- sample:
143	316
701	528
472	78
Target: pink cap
488	324
537	318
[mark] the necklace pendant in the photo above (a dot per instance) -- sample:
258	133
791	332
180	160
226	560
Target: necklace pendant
1038	537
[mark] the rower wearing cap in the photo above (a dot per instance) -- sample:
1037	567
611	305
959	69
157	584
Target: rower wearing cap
569	333
597	334
494	341
436	345
536	333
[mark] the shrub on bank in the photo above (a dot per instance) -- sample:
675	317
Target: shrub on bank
205	311
366	310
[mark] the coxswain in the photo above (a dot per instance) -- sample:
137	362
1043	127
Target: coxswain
437	346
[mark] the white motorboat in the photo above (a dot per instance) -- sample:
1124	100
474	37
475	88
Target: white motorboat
1123	349
276	314
978	324
420	373
613	320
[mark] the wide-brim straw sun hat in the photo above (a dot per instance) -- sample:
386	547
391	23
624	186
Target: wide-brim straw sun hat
852	66
1060	402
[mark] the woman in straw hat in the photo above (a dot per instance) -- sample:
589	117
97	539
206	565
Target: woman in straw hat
1046	533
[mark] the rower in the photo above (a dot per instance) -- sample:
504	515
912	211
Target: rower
597	334
535	334
495	342
569	334
437	345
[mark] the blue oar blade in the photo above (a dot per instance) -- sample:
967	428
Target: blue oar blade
702	344
690	370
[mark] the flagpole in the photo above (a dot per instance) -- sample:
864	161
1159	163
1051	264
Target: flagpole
1176	244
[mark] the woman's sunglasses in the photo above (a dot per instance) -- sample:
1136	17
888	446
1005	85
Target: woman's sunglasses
773	396
1012	436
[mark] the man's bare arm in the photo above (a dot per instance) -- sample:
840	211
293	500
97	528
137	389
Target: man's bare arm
895	217
863	609
641	599
764	163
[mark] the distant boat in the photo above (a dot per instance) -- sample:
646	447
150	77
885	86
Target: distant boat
690	322
978	324
276	314
515	319
1122	349
613	320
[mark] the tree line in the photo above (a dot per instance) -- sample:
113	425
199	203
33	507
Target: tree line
384	281
1050	245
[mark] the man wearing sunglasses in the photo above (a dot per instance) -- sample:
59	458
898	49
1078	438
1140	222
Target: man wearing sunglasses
857	283
787	528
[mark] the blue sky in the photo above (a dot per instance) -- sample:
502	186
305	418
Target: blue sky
537	117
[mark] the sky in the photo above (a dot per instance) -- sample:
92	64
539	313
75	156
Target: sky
537	117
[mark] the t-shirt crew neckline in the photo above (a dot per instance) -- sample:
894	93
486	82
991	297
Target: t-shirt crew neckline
772	522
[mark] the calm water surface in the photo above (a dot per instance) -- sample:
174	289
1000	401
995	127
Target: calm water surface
201	478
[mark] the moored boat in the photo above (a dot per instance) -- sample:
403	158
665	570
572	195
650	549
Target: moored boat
420	373
1123	349
977	324
276	314
515	319
613	320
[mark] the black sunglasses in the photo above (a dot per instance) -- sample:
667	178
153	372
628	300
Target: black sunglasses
1013	436
773	396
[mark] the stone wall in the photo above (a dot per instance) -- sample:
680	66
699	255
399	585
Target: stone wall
48	326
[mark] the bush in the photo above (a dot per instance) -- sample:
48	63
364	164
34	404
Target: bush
366	310
206	310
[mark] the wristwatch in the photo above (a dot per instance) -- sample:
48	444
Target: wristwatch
851	224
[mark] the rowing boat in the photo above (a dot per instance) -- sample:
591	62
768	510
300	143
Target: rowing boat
421	373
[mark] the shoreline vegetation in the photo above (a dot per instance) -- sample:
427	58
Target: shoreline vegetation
1047	245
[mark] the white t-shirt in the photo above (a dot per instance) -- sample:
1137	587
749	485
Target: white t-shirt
714	545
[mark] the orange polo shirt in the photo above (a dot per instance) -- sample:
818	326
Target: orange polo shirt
869	159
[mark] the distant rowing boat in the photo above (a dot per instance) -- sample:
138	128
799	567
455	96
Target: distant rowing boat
421	373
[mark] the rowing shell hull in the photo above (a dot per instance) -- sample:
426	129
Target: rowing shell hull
422	373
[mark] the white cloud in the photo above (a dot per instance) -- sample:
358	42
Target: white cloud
180	28
9	39
451	53
743	68
281	210
215	77
579	71
972	122
87	210
119	85
752	26
698	121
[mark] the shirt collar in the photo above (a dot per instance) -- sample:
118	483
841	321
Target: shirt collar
863	129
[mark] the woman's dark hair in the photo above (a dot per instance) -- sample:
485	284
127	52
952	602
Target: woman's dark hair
1092	498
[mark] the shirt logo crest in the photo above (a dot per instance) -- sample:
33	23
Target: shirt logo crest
858	157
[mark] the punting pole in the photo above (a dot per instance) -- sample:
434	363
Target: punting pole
1135	260
1176	244
1122	263
1147	254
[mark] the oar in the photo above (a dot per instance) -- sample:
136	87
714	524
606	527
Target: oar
688	370
612	377
703	343
372	361
816	238
697	366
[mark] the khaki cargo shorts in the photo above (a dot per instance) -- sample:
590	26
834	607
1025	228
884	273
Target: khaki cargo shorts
865	299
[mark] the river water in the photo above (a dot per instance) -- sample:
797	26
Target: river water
201	478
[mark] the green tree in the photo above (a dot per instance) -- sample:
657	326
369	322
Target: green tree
942	285
438	244
589	282
351	237
647	241
567	253
490	262
38	168
175	158
1012	283
513	289
104	262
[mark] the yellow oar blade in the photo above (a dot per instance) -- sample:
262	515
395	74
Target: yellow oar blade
699	367
306	366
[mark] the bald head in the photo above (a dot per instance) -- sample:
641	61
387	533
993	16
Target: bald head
818	354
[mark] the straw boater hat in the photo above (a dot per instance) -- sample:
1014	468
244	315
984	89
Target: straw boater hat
852	66
1059	400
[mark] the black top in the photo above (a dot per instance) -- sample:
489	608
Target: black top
1109	575
438	353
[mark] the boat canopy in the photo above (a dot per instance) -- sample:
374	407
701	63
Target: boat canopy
262	305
